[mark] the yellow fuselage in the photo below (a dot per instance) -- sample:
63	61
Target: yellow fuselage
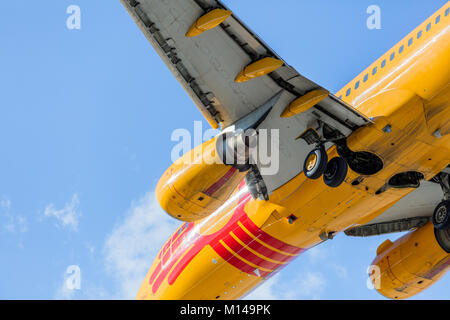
226	254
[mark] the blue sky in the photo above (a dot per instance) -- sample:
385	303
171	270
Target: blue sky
86	118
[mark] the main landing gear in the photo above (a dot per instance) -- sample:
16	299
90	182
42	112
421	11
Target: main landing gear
317	165
441	215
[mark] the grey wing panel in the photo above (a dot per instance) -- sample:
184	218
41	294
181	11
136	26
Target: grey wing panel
420	203
412	211
207	65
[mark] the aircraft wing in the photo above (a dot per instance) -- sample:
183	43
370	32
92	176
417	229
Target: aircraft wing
207	63
413	211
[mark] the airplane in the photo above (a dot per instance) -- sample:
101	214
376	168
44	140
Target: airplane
372	159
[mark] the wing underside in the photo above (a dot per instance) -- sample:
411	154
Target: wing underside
207	65
413	211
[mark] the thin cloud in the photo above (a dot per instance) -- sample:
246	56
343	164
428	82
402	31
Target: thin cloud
63	292
312	285
133	244
306	285
5	203
90	248
66	291
12	223
341	271
317	254
68	216
266	291
16	224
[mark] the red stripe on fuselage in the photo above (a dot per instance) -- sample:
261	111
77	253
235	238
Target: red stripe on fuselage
177	243
183	264
186	228
179	262
219	184
176	234
212	240
155	273
236	262
260	248
264	237
248	255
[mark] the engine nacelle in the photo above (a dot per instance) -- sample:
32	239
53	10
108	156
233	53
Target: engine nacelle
412	263
197	184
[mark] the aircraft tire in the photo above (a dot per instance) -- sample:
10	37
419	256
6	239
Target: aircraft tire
336	172
443	238
441	216
315	163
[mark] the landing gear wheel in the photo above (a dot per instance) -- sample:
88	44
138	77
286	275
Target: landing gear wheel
443	238
315	163
441	216
336	172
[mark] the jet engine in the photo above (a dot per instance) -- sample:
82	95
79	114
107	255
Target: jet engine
198	183
412	263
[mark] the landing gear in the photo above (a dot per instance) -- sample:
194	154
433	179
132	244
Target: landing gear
441	216
315	163
336	172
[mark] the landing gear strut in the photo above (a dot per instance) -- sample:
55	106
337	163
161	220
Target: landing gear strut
316	163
